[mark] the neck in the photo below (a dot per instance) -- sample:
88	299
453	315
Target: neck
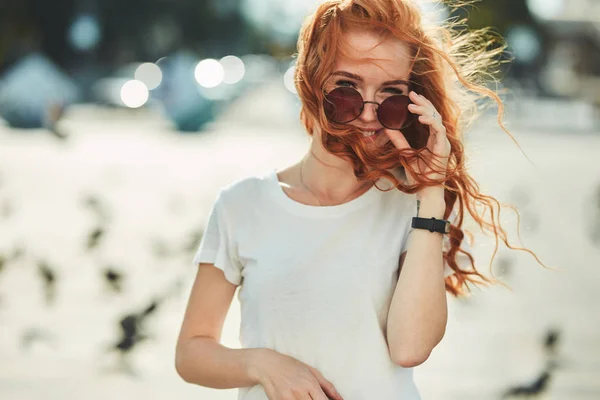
329	177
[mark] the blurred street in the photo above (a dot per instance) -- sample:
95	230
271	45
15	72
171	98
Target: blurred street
103	226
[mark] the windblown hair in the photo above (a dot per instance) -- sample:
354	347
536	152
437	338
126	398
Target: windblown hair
450	67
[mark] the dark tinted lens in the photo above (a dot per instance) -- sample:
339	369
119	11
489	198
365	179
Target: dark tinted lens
393	111
343	105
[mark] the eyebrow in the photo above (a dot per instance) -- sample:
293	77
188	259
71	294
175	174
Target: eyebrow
360	79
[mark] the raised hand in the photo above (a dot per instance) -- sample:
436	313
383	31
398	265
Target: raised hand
437	143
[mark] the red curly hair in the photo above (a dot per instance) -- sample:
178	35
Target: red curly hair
449	67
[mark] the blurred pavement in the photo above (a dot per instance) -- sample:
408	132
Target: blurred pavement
157	187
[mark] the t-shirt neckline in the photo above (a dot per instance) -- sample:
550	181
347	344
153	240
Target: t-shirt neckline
318	211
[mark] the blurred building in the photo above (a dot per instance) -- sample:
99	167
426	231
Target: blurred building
572	66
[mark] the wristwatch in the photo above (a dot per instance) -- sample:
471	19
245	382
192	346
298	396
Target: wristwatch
431	224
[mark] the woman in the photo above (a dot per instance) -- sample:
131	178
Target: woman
342	292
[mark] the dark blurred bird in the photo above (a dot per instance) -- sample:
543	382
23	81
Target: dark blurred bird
150	309
97	207
595	217
534	389
94	237
160	248
541	383
6	259
49	280
192	241
130	333
114	279
3	260
32	335
551	339
133	330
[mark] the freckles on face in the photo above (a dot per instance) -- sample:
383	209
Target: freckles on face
375	59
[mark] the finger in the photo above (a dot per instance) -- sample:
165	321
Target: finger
422	100
428	111
417	99
434	123
330	391
421	110
398	139
327	386
317	394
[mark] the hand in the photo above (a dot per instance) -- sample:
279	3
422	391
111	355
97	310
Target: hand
437	143
286	378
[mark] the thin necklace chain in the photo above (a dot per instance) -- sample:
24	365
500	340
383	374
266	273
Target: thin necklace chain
313	193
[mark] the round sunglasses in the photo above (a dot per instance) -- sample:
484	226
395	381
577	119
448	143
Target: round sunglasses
345	104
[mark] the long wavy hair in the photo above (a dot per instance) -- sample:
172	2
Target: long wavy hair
450	66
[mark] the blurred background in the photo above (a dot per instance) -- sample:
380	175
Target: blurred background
120	120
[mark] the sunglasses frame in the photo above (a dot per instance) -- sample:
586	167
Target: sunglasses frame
362	108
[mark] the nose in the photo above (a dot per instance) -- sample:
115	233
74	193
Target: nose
369	113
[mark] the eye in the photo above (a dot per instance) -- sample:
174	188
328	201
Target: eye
393	90
345	83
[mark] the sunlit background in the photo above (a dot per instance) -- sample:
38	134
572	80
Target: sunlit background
120	120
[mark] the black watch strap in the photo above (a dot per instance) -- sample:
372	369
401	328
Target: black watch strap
431	224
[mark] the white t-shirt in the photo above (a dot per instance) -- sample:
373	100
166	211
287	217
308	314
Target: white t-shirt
316	282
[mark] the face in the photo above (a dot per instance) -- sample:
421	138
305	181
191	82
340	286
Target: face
377	70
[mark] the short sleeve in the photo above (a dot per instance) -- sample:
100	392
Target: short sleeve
217	245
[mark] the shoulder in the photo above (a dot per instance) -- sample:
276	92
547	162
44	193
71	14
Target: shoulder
245	190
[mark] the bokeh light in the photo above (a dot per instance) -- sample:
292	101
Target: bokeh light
209	73
524	43
134	94
288	79
84	33
546	9
233	68
150	74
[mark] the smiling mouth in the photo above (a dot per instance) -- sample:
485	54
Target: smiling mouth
371	135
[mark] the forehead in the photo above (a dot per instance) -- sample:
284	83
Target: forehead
372	56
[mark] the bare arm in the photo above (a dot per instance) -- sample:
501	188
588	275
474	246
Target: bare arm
200	358
205	362
418	313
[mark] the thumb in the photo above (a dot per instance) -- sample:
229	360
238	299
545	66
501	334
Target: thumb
397	138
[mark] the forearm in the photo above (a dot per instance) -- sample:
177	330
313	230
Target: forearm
418	312
205	362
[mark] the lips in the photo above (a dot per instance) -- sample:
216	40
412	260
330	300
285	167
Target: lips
371	135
